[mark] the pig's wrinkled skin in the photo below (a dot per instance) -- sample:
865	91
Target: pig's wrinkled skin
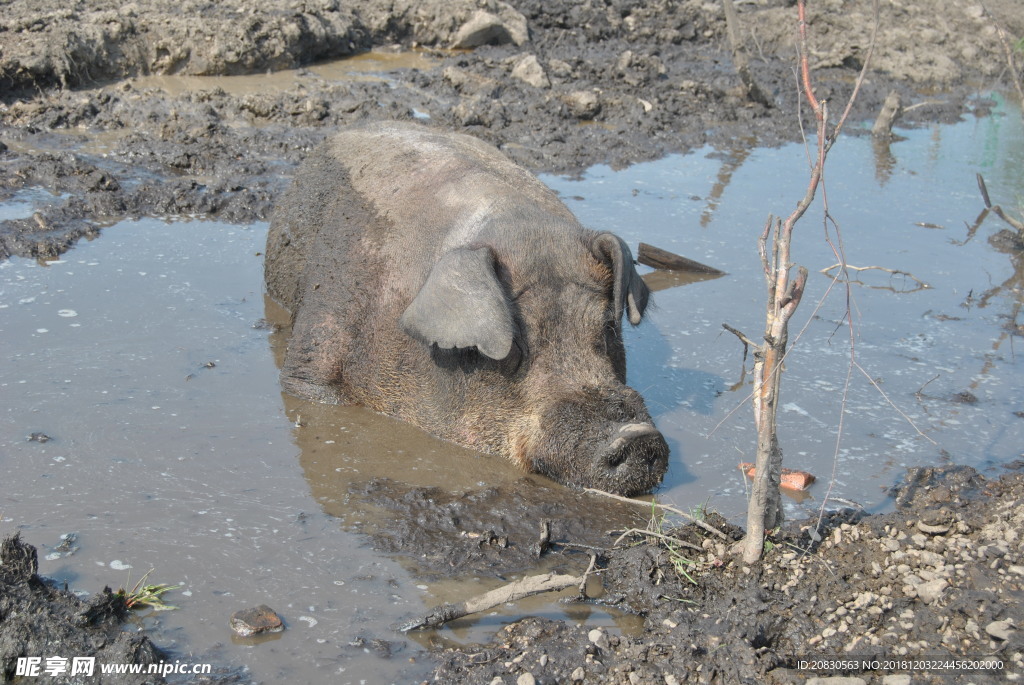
430	278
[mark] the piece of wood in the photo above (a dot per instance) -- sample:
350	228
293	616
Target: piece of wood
655	257
516	590
892	110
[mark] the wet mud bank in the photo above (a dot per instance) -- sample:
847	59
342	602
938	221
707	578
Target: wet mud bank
558	86
940	578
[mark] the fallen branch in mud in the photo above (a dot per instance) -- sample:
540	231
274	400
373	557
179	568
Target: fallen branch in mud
703	524
895	272
655	534
514	591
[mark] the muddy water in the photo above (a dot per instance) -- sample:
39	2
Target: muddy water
939	372
373	65
143	357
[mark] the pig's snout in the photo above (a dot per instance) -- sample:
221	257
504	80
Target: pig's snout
633	459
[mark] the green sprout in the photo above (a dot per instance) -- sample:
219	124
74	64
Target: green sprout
147	595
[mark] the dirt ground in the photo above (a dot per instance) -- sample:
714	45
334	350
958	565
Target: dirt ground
558	85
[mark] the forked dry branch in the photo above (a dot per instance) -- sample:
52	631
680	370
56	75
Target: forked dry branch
785	291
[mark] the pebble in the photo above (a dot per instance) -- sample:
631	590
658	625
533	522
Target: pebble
526	679
931	591
261	619
578	675
599	638
1001	630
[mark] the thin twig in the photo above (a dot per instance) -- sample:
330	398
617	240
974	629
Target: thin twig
586	574
894	272
893	404
747	342
703	524
996	209
661	536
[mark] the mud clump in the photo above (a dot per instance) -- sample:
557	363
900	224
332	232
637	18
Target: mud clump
37	620
489	531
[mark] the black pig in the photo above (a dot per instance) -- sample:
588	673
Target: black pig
432	279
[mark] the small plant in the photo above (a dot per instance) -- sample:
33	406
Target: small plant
680	563
147	595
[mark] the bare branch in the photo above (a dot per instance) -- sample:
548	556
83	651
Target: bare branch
996	209
661	536
895	272
703	524
747	342
514	591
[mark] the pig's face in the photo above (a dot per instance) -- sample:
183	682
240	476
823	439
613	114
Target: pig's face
527	345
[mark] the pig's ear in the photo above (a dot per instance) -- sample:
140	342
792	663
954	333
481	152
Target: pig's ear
631	292
462	304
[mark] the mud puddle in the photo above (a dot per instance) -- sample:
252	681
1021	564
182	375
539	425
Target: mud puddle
142	412
144	357
373	65
945	351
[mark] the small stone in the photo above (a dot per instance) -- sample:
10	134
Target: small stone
526	679
543	661
1000	630
497	680
599	638
669	623
261	619
931	591
484	28
940	529
578	675
583	104
671	679
528	70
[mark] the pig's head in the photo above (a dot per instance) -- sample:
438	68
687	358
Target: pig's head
525	339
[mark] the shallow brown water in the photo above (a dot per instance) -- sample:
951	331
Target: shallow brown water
172	447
